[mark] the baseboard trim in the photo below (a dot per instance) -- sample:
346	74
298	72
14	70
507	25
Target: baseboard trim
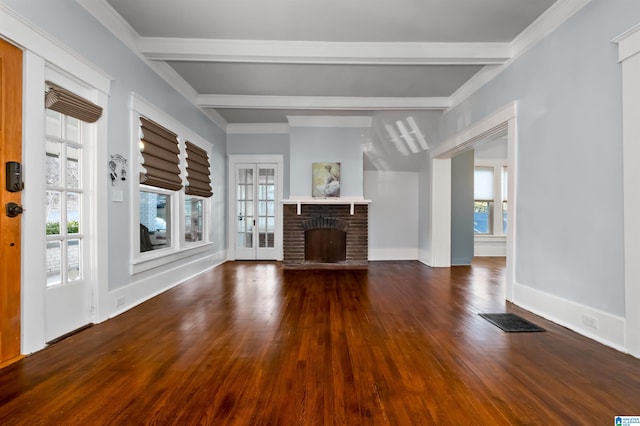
150	286
393	254
605	328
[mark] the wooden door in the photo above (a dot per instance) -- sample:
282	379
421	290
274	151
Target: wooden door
10	151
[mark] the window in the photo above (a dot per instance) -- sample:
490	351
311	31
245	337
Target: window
483	200
174	189
490	200
193	219
155	220
64	193
504	200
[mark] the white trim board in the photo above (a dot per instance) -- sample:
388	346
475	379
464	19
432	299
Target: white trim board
121	29
257	128
502	120
329	121
549	21
148	286
393	254
323	102
629	49
605	328
26	35
323	52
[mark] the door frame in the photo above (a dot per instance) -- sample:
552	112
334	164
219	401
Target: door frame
233	160
502	120
39	51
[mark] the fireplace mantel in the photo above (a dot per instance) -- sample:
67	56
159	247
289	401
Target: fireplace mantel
350	201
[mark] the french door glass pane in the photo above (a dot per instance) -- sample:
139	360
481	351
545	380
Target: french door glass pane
54	124
245	208
266	194
52	163
73	130
73	260
54	262
73	212
53	212
73	168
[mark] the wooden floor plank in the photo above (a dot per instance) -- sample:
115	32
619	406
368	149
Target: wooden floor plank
249	343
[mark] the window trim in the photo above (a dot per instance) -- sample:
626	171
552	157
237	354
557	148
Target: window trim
179	249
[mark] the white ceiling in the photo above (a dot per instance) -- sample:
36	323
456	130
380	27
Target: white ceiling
256	61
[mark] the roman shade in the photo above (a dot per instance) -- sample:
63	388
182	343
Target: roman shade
61	100
483	184
160	161
198	173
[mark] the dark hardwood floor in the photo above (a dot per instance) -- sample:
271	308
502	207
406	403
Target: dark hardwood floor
252	344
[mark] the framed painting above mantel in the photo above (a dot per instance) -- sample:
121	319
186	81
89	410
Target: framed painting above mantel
325	180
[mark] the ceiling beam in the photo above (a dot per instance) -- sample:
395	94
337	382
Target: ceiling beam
323	102
308	52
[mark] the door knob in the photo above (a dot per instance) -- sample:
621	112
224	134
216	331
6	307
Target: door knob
14	209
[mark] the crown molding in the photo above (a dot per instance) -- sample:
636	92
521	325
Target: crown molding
549	21
120	28
111	20
257	128
311	52
496	57
329	121
628	43
23	33
546	23
322	102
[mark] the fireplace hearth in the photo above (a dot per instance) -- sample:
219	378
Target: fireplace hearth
325	235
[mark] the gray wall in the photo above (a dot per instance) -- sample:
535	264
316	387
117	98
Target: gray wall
328	144
569	235
462	208
81	32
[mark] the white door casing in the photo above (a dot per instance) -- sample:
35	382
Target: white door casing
255	208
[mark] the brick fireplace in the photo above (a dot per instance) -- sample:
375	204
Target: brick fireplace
325	235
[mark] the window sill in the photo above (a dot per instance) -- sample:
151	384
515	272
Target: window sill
154	259
488	238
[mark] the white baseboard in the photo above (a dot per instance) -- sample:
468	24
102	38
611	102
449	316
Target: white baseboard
424	256
137	292
600	326
393	254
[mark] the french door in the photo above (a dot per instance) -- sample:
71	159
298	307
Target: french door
68	293
255	213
